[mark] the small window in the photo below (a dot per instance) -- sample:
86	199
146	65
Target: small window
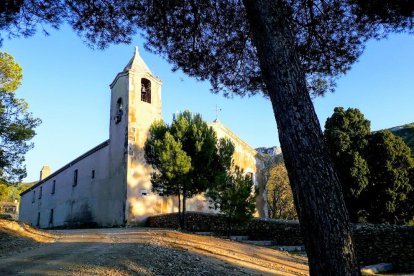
143	192
145	90
38	219
53	187
75	177
119	111
40	192
34	196
93	174
51	217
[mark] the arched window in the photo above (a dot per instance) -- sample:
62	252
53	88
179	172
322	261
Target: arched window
119	111
145	90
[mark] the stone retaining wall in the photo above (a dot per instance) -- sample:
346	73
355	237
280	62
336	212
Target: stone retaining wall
374	243
380	243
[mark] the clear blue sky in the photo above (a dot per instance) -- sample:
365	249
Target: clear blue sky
67	85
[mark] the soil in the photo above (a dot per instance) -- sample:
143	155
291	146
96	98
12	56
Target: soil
17	236
140	251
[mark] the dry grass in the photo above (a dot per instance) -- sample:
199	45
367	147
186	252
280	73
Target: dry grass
17	236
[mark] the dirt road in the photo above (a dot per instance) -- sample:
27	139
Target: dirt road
140	251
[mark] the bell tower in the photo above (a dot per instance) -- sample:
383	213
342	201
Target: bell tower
135	105
144	100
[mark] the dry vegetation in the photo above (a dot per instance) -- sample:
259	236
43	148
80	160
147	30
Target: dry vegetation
17	236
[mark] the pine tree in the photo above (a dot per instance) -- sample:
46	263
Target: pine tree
16	123
235	197
186	157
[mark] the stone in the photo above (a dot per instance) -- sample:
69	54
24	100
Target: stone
204	233
239	238
260	243
377	268
291	248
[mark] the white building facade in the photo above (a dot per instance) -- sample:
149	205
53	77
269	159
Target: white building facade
110	184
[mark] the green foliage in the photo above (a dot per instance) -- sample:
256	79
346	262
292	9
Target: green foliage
235	198
174	162
349	128
211	40
390	164
10	73
186	157
9	193
16	123
279	194
375	169
407	134
346	135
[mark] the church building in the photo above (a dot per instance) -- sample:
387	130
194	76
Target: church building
110	184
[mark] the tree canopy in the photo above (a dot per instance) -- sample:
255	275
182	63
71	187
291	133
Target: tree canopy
346	135
407	133
10	193
279	194
235	198
212	40
187	157
391	164
374	168
16	123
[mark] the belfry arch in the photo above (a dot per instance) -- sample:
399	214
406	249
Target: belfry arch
146	90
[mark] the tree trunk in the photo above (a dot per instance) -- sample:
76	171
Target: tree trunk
179	211
184	221
317	192
229	225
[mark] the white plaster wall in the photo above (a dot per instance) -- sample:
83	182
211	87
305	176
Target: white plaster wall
118	148
87	202
140	205
245	158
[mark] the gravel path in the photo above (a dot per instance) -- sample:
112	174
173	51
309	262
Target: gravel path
141	251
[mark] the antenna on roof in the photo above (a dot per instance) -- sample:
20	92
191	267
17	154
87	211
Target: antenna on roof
218	109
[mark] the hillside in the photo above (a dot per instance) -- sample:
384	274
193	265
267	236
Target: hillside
9	193
407	133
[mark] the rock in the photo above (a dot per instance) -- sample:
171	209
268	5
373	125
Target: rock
260	243
204	233
290	248
239	238
377	268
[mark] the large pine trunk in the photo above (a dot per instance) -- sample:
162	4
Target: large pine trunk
317	192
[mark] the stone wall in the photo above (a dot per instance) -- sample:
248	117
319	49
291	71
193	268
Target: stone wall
281	231
380	243
374	243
